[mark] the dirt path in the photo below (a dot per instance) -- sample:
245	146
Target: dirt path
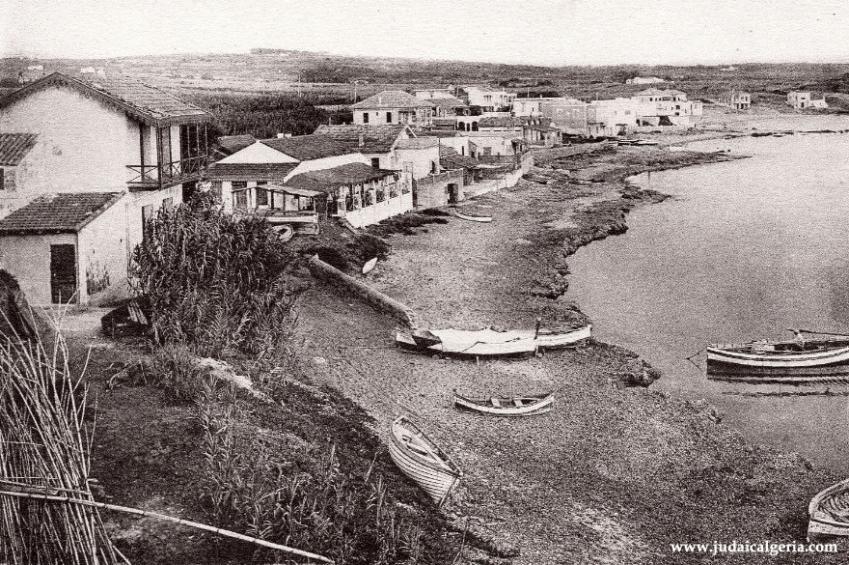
612	474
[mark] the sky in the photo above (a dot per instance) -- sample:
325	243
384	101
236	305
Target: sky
546	32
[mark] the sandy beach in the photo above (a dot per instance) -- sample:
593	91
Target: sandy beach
615	473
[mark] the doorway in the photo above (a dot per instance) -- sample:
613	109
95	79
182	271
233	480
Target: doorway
63	273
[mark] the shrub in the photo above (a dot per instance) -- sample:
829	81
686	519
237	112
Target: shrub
215	282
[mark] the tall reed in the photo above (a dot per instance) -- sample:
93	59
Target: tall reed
44	448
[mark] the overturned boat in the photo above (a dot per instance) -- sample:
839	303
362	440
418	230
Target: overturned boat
482	219
801	359
489	342
421	460
828	512
369	265
507	406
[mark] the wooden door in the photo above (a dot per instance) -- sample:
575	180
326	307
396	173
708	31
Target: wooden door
63	273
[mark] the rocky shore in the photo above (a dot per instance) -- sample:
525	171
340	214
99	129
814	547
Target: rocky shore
616	472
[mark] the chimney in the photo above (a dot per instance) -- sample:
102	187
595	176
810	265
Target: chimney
361	141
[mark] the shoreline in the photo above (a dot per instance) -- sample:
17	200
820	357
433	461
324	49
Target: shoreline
664	451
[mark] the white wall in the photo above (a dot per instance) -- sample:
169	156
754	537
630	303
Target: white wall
103	248
421	160
258	153
135	201
27	258
83	145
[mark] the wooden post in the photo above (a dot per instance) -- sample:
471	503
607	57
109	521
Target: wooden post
159	154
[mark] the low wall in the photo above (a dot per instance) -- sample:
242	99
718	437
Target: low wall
432	190
502	181
375	298
379	211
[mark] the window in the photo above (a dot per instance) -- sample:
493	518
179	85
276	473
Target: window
365	117
147	216
168	204
2	179
388	117
375	162
261	196
239	184
216	188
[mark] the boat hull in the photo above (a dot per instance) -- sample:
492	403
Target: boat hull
821	522
436	480
481	219
491	343
533	405
826	364
369	265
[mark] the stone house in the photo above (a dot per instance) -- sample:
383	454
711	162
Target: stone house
393	107
119	137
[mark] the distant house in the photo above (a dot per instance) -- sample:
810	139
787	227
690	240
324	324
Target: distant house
448	106
801	100
273	161
537	130
376	143
614	117
393	107
506	125
488	99
434	93
737	99
119	150
644	80
658	108
567	115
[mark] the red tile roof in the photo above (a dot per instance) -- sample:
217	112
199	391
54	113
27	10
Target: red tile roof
138	99
15	146
66	212
250	171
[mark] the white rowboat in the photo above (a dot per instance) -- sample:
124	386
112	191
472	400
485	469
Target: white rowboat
828	512
421	460
482	219
791	360
507	406
489	342
369	265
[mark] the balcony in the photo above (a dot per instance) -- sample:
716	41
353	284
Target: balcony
155	177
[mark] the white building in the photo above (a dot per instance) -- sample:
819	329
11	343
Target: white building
611	117
644	80
124	148
801	100
393	107
658	108
489	100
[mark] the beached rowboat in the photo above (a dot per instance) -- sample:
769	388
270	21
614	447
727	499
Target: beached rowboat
800	359
828	512
489	342
369	265
507	406
284	231
483	219
421	460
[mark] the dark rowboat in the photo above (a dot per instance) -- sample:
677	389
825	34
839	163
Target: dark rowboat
421	460
797	360
507	406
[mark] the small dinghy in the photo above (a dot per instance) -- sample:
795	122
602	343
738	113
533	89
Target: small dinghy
489	342
798	360
421	460
507	406
828	512
369	265
482	219
284	231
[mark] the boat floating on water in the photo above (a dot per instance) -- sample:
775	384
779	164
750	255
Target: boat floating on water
798	360
828	512
489	342
507	406
421	460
